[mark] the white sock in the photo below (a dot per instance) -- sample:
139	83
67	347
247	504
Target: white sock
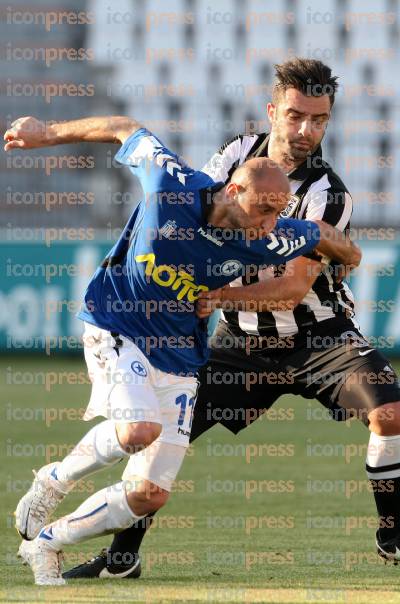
103	512
97	449
383	457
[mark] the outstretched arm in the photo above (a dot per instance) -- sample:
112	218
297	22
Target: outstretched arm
30	133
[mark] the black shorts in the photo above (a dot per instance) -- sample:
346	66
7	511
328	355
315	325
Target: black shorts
331	362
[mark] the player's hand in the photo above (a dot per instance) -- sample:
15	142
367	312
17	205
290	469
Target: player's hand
207	302
26	133
356	256
344	270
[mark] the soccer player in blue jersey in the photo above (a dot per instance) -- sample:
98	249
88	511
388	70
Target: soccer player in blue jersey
143	340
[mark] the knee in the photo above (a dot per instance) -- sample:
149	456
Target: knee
385	420
136	436
149	498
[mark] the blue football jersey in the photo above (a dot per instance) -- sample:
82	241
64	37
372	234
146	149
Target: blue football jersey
147	286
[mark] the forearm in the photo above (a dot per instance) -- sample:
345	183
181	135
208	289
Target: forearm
281	293
31	133
108	129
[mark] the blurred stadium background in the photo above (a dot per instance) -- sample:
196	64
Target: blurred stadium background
197	74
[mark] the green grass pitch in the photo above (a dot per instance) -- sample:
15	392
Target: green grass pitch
281	513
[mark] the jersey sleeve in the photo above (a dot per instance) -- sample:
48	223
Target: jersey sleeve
232	154
332	205
292	238
158	168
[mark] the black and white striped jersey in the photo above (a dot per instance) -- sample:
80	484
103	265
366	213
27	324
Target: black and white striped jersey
317	194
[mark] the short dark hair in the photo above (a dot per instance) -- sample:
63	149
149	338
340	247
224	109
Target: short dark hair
309	76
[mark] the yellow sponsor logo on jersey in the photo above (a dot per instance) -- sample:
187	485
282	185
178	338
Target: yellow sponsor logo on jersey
166	276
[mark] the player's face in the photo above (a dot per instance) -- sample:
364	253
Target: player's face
298	123
258	208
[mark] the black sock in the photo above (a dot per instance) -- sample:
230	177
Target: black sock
383	471
126	544
387	500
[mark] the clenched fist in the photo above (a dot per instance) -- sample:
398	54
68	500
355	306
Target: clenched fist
209	301
26	133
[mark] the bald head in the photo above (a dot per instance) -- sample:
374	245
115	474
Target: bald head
253	199
262	174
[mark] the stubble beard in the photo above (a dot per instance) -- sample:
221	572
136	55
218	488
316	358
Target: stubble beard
290	153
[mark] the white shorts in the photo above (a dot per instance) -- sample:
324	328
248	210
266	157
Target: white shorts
127	388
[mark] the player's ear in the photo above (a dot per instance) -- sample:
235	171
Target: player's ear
232	189
271	112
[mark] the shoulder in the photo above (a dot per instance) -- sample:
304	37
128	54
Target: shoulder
243	143
327	179
327	198
231	155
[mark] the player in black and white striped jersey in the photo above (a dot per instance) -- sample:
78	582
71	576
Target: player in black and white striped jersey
317	193
295	333
317	341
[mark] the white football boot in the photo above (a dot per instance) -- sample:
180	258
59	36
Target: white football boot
44	561
36	506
